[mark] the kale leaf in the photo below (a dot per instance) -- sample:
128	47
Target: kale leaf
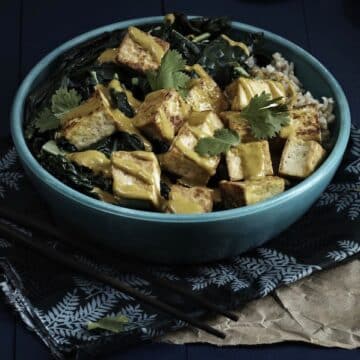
219	59
164	190
196	26
119	100
119	141
78	177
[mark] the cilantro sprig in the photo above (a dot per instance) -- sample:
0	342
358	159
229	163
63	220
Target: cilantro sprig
221	142
266	116
48	118
64	100
170	74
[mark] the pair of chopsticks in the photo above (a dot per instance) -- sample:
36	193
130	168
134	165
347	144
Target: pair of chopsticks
125	266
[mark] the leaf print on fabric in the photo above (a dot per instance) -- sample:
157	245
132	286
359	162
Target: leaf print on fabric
4	243
92	288
355	137
219	276
9	179
344	197
149	334
68	318
354	167
273	268
268	271
56	320
8	160
164	272
138	318
347	248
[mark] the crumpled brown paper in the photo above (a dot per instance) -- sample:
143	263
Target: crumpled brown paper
323	309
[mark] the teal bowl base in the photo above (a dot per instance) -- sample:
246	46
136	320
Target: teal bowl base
175	243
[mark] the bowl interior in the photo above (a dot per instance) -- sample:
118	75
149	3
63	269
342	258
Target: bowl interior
314	76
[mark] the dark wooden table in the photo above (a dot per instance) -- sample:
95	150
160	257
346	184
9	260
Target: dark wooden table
330	30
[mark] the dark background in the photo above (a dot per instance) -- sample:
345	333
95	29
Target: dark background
29	29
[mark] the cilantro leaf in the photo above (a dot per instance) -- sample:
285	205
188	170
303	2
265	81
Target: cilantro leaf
46	120
170	74
64	100
266	116
221	142
111	323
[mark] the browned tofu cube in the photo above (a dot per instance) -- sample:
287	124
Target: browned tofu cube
161	115
136	178
182	159
194	200
234	121
241	193
304	124
204	93
242	90
300	158
88	123
141	51
249	160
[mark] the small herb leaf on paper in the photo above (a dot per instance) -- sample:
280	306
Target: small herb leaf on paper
110	323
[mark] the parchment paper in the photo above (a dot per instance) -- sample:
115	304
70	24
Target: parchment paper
323	309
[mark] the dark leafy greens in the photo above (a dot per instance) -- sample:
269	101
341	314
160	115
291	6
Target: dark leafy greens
196	26
119	141
78	177
211	51
219	59
120	101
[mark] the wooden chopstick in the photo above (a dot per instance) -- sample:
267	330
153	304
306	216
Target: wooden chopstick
124	265
73	264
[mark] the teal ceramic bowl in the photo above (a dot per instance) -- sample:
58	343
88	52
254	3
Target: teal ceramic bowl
170	238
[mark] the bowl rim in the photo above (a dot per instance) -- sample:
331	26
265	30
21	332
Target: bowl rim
17	114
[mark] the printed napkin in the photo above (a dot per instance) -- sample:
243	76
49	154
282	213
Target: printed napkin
58	304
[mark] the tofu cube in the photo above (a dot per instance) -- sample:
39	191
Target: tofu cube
304	124
88	123
136	178
141	51
300	158
182	159
242	90
249	160
204	93
161	114
234	121
194	200
241	193
95	119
